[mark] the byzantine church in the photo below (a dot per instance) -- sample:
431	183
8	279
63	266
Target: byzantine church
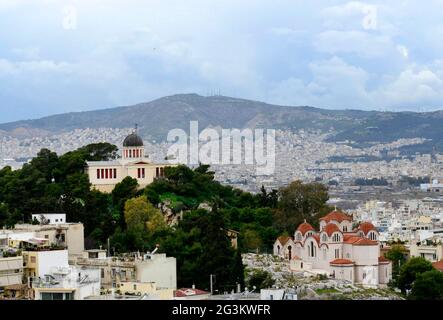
337	250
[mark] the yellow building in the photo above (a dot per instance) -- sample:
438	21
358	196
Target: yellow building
104	175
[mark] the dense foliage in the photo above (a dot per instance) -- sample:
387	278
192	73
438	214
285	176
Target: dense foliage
212	213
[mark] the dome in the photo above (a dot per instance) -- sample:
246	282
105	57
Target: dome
133	140
304	227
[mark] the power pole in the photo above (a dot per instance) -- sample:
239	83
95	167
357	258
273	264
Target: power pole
211	283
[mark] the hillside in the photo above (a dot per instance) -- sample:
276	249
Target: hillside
157	117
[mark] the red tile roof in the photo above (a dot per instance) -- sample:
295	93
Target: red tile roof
283	239
186	292
438	265
336	216
341	261
305	227
330	228
359	241
366	227
383	260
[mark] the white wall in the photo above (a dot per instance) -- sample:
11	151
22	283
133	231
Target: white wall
161	269
47	260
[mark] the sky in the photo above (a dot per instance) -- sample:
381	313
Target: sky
61	56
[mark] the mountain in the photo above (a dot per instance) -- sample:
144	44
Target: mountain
157	117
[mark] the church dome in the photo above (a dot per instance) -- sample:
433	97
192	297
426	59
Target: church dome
133	140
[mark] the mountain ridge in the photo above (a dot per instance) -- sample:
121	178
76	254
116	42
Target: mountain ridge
157	117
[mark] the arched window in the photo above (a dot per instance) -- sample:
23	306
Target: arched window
278	249
336	237
298	237
324	237
290	252
372	236
345	228
311	249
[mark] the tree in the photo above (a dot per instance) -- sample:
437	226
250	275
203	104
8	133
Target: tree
397	255
260	279
141	216
251	240
428	286
299	201
124	190
409	272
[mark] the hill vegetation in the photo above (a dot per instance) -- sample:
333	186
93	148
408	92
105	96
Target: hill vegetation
130	217
158	117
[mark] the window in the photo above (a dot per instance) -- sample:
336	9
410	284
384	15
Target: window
143	172
422	255
324	237
32	259
278	249
157	172
135	287
46	236
336	237
289	252
337	253
102	273
162	172
102	173
106	173
372	236
311	249
130	153
98	173
138	173
299	237
345	228
115	173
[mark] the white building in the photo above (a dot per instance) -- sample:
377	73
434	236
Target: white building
104	175
337	250
67	283
11	270
159	269
49	218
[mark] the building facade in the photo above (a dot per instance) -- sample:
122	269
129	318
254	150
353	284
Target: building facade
337	250
104	175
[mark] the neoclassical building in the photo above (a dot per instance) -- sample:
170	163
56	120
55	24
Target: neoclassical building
104	175
337	250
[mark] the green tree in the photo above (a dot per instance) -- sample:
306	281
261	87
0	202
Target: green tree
141	216
397	255
260	279
428	286
299	201
409	272
251	240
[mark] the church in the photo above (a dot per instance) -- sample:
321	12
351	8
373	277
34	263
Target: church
104	175
337	250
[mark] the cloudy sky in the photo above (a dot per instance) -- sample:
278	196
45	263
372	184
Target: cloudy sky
58	56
